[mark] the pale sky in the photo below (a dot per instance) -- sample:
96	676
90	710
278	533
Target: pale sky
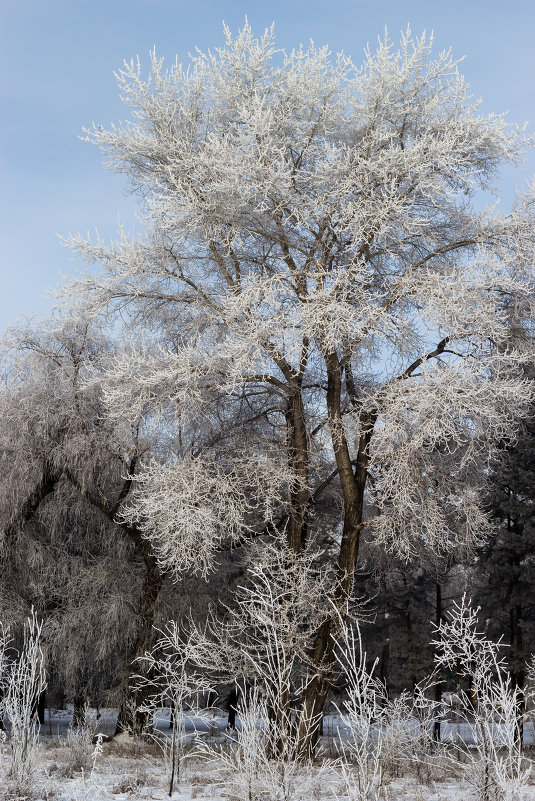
57	59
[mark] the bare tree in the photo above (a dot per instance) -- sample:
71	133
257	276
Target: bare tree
176	670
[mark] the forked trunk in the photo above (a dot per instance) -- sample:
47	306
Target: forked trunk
353	483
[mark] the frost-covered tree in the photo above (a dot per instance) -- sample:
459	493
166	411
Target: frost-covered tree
66	472
22	680
173	674
493	763
314	256
94	566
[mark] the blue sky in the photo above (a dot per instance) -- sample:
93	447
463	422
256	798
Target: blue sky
57	59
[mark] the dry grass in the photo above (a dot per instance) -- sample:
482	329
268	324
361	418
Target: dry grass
132	782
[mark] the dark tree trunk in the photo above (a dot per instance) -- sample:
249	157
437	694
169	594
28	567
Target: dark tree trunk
131	717
384	664
410	642
41	706
298	463
232	705
79	708
353	483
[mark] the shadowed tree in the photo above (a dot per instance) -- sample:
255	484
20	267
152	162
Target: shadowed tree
506	563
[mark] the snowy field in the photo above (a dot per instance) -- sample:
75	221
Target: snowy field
71	769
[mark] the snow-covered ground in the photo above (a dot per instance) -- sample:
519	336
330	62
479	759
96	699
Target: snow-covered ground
127	769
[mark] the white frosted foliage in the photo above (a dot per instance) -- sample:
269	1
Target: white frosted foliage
305	219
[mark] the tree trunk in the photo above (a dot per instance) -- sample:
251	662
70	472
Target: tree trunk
131	717
298	463
384	664
232	705
353	483
79	708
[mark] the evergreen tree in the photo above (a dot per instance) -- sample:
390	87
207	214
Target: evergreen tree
507	560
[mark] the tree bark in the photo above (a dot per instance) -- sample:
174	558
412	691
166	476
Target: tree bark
131	717
298	463
353	483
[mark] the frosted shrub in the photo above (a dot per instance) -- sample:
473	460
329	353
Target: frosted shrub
361	735
87	787
243	751
407	731
262	755
377	734
79	741
493	762
174	670
23	680
4	646
246	758
5	642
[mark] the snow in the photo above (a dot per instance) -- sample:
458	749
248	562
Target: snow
139	776
130	769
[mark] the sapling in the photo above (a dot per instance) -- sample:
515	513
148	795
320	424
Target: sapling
377	733
493	762
264	639
176	670
23	680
